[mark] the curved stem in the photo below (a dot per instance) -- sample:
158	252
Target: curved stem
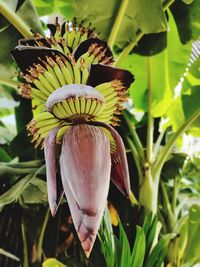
150	121
157	145
10	83
136	158
148	193
168	207
15	20
117	23
175	194
27	164
135	137
126	51
167	3
25	248
166	150
7	170
41	237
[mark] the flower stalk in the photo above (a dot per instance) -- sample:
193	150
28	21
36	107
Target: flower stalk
15	20
117	23
41	236
139	34
25	244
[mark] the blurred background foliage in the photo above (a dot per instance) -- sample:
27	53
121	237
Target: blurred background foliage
158	42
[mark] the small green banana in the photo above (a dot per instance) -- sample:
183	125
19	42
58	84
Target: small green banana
62	109
46	84
82	103
58	112
67	109
44	123
105	119
76	39
85	75
77	74
104	87
77	106
44	116
53	81
70	102
88	106
109	110
93	106
59	74
70	69
60	133
111	102
110	96
50	70
47	128
70	38
67	76
35	93
41	87
83	37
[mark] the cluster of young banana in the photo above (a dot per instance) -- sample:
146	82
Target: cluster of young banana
52	73
76	108
55	71
69	34
113	93
42	124
62	60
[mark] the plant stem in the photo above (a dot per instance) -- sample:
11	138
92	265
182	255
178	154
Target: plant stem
175	193
25	249
41	237
9	83
136	158
126	51
117	22
148	195
136	139
157	145
139	34
150	121
5	170
27	164
167	148
167	4
161	219
167	206
15	20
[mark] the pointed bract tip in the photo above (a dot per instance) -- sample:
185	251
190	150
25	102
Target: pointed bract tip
87	254
133	199
54	210
87	240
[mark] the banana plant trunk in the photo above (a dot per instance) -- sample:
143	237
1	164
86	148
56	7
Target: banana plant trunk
148	195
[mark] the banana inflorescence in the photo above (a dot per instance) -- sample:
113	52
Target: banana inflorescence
64	60
76	94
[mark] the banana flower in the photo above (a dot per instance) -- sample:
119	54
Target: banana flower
78	94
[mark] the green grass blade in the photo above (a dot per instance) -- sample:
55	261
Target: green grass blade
151	235
138	252
159	252
8	254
